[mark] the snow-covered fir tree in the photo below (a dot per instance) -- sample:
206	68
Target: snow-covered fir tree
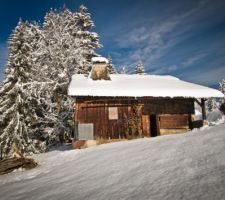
222	101
41	90
67	48
111	66
212	104
69	43
17	103
124	70
89	40
139	69
34	103
222	86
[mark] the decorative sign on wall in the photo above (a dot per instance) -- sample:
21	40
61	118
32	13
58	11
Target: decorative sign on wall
113	113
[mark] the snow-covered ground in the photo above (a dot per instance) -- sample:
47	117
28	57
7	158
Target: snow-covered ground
186	166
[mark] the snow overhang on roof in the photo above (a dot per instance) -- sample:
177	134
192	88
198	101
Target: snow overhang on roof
99	60
123	85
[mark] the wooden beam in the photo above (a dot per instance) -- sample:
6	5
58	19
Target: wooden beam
90	99
10	164
202	104
198	102
113	105
203	108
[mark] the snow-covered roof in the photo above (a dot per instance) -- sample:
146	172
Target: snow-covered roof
99	59
124	85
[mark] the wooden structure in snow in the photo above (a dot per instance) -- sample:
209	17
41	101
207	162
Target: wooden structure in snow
134	117
132	106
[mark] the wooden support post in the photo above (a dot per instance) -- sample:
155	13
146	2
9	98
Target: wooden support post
198	102
1	152
75	120
203	109
190	121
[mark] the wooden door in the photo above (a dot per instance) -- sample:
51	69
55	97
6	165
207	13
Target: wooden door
146	125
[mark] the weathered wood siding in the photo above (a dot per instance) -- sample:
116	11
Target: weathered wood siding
169	106
146	125
98	114
132	118
173	121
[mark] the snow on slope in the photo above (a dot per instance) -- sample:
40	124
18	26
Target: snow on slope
188	166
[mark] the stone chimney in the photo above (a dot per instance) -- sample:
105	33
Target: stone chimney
99	69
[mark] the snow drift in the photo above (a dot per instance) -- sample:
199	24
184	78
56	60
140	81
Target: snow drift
187	166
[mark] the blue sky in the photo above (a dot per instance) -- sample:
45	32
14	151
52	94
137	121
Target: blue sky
181	38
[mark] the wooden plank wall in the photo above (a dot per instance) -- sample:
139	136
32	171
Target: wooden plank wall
173	121
133	116
146	125
169	106
98	114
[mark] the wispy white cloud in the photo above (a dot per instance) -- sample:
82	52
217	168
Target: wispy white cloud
150	41
155	43
207	77
185	64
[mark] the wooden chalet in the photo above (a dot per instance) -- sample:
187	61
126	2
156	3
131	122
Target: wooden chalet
120	106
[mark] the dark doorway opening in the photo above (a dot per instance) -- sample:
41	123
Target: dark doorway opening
153	125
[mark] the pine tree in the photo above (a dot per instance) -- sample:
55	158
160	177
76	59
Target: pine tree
56	59
222	86
211	104
88	41
222	89
41	90
111	67
34	103
17	111
68	45
123	70
1	85
139	69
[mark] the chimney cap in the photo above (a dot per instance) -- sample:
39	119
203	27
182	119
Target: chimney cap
99	60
